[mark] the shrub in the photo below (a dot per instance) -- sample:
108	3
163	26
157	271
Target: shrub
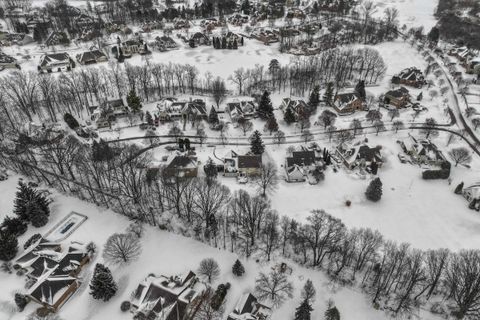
8	246
71	121
15	226
21	301
125	306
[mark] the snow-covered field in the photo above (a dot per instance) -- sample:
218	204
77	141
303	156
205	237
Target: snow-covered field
412	13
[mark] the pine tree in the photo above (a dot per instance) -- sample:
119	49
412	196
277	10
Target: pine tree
256	142
102	286
149	118
272	124
246	7
314	99
213	116
210	169
238	268
265	108
328	95
38	217
8	246
15	226
360	89
374	190
332	313
420	96
303	311
289	116
459	188
20	301
133	101
29	205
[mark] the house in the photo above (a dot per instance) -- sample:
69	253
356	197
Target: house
181	166
238	19
241	109
248	308
298	107
422	151
179	23
359	155
7	61
51	62
295	173
20	39
472	193
348	103
90	57
177	110
472	63
134	46
411	77
167	298
295	13
266	36
300	164
164	43
398	97
236	165
54	268
56	38
199	39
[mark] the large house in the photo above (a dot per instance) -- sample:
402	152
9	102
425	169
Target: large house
167	298
90	57
236	165
51	62
164	43
54	269
177	110
199	39
299	164
422	151
241	109
265	36
298	106
359	155
348	103
398	97
248	308
410	77
134	46
181	166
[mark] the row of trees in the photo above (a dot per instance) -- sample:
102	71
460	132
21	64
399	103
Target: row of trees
394	275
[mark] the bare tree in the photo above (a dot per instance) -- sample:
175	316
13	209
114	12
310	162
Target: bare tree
279	137
460	155
121	248
239	77
397	125
274	287
219	90
308	291
209	269
463	282
267	181
245	124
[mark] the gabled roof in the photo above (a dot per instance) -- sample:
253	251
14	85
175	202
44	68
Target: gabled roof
249	161
183	162
92	55
301	158
49	58
398	93
346	98
51	289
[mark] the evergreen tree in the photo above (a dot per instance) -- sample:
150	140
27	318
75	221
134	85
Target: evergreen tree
256	142
265	108
20	301
459	188
289	116
272	124
332	313
15	226
210	169
434	35
38	217
29	204
71	121
149	118
374	190
420	96
238	268
328	95
360	90
101	151
235	44
8	246
213	116
246	7
303	311
133	101
102	285
314	99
